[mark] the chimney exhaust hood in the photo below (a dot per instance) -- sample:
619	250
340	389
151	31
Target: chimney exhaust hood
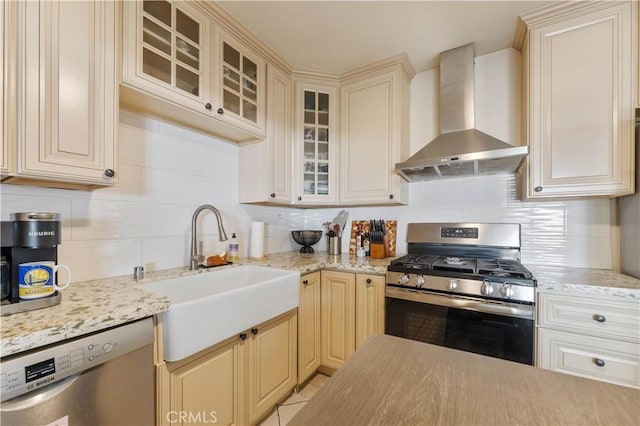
460	150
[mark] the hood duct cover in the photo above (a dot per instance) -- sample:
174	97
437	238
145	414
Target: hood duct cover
460	150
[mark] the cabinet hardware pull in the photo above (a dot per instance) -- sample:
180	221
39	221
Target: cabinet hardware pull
299	198
220	111
243	336
391	196
272	195
305	282
538	189
254	331
599	362
599	318
109	173
368	280
208	105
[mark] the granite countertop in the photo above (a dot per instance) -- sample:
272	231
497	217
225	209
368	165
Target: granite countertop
381	384
584	281
91	306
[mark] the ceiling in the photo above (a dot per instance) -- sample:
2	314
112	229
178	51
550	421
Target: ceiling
338	36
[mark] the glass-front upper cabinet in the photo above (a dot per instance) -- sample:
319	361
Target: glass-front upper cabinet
316	126
170	51
241	89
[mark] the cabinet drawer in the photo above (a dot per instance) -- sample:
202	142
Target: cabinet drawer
595	317
592	357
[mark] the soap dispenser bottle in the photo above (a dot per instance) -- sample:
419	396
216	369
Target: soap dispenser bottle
233	248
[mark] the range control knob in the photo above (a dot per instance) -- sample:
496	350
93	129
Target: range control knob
506	290
486	288
453	284
419	281
404	279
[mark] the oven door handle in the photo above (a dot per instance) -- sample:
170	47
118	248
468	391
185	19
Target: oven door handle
478	305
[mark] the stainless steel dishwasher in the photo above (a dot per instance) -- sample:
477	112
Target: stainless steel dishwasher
105	378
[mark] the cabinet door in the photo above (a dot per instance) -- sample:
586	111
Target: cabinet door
68	91
240	85
272	364
167	51
316	144
580	134
369	306
309	338
372	139
210	389
337	317
266	168
5	18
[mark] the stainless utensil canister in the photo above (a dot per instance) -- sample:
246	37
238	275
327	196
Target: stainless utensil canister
335	245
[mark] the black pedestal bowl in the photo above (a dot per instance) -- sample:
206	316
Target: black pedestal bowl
306	239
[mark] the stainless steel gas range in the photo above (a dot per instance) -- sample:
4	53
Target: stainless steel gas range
462	286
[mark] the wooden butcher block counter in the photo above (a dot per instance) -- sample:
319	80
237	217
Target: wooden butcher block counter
393	381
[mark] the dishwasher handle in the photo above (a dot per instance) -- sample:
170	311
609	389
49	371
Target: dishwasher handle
38	396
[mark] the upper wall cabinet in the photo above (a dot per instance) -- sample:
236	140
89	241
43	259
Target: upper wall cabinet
579	101
5	165
240	94
174	66
374	134
64	73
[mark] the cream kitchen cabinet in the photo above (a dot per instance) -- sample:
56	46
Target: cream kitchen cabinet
352	308
309	337
6	29
590	337
578	101
174	65
374	133
315	143
266	168
240	85
65	82
235	382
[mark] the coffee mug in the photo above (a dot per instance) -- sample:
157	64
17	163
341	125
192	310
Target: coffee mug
37	279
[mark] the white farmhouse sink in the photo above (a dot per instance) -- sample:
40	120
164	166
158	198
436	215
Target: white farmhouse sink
210	307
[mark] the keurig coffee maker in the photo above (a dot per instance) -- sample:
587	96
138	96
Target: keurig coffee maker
28	237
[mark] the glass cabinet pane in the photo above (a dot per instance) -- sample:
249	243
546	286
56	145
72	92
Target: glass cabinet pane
171	50
240	83
315	139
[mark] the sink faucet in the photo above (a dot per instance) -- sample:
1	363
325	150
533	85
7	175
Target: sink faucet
197	258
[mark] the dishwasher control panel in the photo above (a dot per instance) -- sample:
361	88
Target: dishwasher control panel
21	374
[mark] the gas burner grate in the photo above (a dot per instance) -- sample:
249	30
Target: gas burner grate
502	268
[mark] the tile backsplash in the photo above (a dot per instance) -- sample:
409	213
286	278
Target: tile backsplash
166	172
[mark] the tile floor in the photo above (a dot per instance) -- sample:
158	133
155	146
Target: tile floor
285	411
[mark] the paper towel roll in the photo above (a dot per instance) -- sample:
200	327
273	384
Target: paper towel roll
256	248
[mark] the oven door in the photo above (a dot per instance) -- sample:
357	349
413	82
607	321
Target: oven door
496	329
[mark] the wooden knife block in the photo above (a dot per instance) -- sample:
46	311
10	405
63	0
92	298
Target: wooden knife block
377	251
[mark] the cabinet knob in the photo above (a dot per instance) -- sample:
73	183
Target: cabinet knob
272	195
305	282
391	196
599	318
254	331
208	105
599	362
220	111
368	280
538	189
243	336
109	173
299	198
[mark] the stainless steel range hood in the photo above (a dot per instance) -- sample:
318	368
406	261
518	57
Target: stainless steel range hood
460	150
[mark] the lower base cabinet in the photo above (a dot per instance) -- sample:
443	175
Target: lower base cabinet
236	382
352	308
590	337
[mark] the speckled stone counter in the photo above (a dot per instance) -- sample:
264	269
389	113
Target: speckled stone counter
91	306
583	281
